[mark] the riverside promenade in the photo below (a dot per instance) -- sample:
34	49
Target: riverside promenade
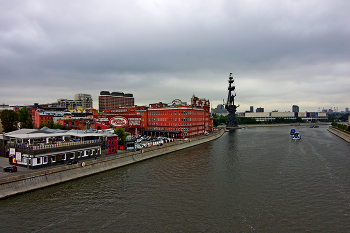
27	179
339	133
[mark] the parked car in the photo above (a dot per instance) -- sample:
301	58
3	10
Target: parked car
72	161
10	169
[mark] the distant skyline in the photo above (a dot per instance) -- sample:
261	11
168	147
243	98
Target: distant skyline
281	53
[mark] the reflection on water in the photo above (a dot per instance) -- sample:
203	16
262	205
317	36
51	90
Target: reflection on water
254	179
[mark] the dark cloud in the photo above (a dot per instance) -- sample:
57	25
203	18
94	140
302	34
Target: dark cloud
281	53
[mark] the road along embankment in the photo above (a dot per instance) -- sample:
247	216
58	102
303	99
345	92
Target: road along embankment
339	133
45	177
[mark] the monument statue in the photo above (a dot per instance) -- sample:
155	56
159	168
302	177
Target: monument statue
230	105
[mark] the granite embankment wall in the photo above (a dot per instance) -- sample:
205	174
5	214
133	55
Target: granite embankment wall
45	177
339	133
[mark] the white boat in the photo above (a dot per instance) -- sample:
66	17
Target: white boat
296	136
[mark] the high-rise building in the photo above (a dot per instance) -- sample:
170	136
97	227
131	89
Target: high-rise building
295	108
251	109
82	101
114	100
85	99
260	110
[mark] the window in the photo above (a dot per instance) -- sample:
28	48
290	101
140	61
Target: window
38	160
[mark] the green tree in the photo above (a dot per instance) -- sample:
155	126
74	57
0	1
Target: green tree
223	119
58	126
9	120
25	118
215	120
246	120
51	125
121	134
300	120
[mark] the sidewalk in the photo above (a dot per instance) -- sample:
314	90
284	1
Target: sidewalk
4	162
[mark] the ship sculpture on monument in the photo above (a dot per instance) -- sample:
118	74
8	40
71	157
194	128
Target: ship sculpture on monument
230	106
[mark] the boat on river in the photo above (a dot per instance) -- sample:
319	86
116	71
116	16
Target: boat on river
314	126
296	136
292	132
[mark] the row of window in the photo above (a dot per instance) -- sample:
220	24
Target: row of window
175	124
64	156
175	119
192	130
46	118
172	112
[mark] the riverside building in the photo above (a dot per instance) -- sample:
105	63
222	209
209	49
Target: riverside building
179	120
46	147
270	116
175	120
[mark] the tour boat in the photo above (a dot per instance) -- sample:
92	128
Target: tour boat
296	136
292	131
314	126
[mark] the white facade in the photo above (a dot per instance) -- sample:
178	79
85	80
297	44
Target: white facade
37	148
270	116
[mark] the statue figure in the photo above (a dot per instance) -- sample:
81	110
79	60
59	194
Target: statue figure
230	104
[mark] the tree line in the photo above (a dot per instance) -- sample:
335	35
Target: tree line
222	120
10	119
341	126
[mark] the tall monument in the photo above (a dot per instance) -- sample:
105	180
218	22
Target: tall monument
230	105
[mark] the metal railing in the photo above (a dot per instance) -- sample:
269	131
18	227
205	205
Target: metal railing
40	146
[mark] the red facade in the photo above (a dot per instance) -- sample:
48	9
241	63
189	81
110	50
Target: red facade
112	144
190	121
131	124
178	120
41	117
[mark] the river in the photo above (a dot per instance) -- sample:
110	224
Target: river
249	180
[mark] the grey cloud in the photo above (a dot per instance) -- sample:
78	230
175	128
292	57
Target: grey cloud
165	49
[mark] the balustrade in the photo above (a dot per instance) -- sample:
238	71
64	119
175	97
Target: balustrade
39	146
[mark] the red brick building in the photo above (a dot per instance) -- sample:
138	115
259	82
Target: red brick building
129	118
180	120
112	144
42	117
42	113
175	120
114	100
77	123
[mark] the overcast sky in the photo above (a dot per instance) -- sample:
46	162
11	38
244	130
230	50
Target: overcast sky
281	53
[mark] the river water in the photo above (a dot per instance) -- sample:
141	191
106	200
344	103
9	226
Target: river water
249	180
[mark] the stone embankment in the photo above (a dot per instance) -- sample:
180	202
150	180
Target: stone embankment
45	177
339	133
279	125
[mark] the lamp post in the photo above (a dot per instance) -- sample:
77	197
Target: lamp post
28	151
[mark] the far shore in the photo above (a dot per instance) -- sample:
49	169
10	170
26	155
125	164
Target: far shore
279	125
